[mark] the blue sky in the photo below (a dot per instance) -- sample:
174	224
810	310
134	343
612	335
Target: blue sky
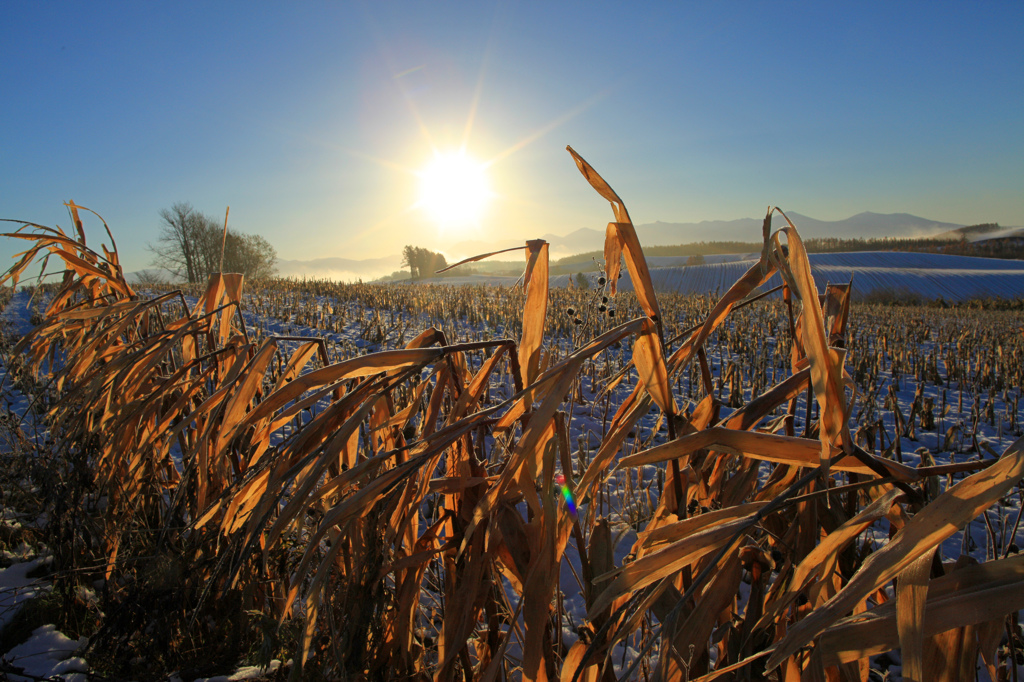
311	119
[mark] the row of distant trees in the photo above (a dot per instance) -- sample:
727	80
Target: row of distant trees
190	245
1006	247
422	262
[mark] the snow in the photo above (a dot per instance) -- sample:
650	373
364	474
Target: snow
16	587
955	278
926	275
884	269
248	672
48	652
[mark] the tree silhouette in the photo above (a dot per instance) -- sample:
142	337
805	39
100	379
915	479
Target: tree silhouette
422	263
189	245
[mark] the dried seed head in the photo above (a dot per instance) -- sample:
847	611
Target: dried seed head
601	280
570	311
611	312
601	308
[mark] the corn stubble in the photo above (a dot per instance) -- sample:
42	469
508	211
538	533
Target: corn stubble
408	522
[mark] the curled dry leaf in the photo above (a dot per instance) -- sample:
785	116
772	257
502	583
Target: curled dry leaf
650	365
373	489
923	532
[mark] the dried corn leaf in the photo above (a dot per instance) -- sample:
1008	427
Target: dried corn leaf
602	187
473	259
612	257
362	366
535	310
539	588
911	593
703	539
824	554
573	659
650	365
528	445
692	635
929	527
826	362
972	595
639	273
765	446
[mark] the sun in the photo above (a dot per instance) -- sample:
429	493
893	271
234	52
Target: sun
454	190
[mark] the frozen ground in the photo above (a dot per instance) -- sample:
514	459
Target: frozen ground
631	493
928	276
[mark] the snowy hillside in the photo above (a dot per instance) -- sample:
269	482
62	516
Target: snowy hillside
925	275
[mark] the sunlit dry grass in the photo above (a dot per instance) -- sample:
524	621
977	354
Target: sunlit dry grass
405	515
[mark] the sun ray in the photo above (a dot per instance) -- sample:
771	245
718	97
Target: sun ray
383	223
398	74
383	163
544	130
478	91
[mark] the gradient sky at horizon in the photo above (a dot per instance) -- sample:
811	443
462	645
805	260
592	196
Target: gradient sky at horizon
311	119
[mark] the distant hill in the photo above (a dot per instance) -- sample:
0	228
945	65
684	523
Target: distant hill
865	225
983	232
339	269
585	240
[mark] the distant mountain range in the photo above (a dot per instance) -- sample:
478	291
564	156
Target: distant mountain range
865	225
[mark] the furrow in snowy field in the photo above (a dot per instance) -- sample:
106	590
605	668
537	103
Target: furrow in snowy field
924	275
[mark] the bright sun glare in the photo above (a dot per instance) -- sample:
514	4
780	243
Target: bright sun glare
454	191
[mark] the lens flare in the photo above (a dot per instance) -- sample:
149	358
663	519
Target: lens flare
570	502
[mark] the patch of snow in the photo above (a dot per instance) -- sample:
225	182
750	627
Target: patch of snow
249	672
46	653
16	587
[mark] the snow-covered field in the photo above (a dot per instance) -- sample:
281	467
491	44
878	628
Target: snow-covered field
891	356
926	276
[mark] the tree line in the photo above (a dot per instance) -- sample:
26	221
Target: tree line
1006	247
190	245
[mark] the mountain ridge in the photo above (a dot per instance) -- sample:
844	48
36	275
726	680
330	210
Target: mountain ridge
866	224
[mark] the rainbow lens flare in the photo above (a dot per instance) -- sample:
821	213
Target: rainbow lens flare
566	493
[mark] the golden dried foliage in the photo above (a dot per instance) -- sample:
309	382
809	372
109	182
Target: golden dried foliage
410	518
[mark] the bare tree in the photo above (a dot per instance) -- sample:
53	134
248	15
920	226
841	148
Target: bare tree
176	247
189	245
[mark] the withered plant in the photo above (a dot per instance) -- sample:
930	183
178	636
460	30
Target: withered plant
402	514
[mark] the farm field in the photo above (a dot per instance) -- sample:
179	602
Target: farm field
876	275
350	368
540	482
